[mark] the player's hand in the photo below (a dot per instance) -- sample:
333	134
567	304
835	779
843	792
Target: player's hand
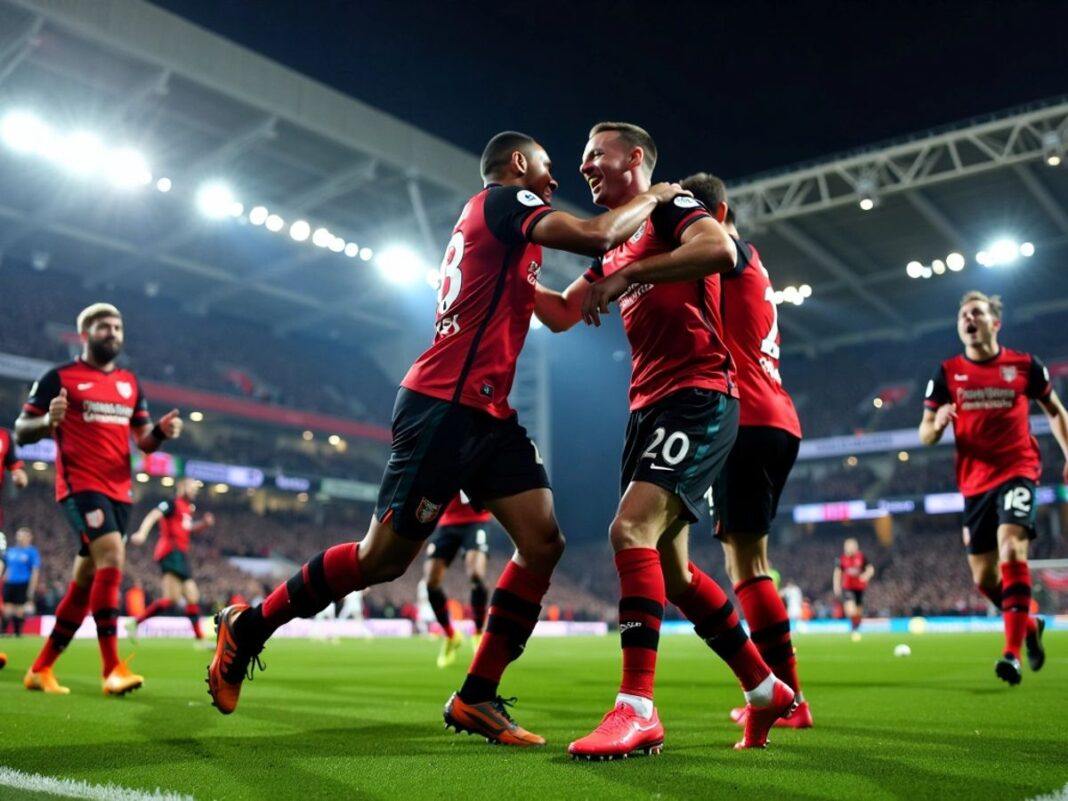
57	408
208	519
600	295
665	191
1064	473
20	478
945	415
171	424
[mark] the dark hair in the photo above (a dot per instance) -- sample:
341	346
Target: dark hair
710	190
498	151
634	136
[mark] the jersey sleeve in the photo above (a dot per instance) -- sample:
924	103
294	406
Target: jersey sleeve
745	257
937	393
35	558
595	272
11	458
140	416
1038	383
671	219
41	393
512	212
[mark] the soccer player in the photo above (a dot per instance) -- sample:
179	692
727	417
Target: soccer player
852	572
462	527
745	495
176	525
985	393
11	464
90	407
19	571
453	430
684	416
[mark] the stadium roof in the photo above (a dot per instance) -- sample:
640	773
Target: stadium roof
204	108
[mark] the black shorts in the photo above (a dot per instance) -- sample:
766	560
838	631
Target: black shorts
92	515
176	563
1010	503
680	443
440	448
745	495
856	596
448	541
16	593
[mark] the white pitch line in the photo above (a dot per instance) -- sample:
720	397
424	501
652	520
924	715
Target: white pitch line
1056	795
72	788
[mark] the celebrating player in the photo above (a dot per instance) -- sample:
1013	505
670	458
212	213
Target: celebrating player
684	417
852	572
176	524
462	527
985	393
89	407
453	430
19	571
11	464
745	496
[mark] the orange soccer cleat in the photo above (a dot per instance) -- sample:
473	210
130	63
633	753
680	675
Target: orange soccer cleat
621	733
489	719
3	660
232	662
44	680
760	719
122	680
800	718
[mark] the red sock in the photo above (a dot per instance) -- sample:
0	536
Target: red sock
478	604
192	611
513	613
1015	604
155	608
641	610
769	627
104	601
993	594
706	606
69	616
332	574
855	622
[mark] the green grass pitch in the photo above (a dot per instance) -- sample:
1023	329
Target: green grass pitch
362	720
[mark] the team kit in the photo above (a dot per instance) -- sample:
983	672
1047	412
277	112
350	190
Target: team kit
710	424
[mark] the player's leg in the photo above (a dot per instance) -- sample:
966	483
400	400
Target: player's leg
191	593
170	596
108	552
70	612
441	550
475	565
856	613
1013	543
18	616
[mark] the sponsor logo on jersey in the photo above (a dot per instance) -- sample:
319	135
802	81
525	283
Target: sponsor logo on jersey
84	386
686	202
632	624
125	388
640	232
98	412
528	198
94	518
427	510
963	377
1008	372
985	398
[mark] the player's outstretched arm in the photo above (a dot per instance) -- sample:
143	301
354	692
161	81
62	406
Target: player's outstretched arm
32	426
597	235
837	582
150	438
1058	425
560	311
934	423
203	524
139	536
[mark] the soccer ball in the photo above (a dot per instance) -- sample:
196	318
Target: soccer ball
902	650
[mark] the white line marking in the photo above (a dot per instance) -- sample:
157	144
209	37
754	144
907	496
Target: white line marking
1056	795
72	788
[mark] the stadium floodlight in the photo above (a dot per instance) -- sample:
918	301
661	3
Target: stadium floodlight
938	267
337	244
914	269
399	264
221	489
127	168
167	481
258	215
334	439
805	290
215	200
322	238
164	185
23	132
999	253
777	297
274	223
433	278
81	152
955	262
300	230
308	436
877	403
926	272
791	295
867	190
983	258
352	250
1027	250
366	254
1052	148
142	478
196	417
902	456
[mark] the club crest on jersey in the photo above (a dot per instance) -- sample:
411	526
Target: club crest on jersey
533	271
1008	372
125	389
427	510
94	518
639	233
528	198
686	202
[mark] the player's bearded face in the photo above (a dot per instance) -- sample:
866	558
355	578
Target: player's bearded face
104	340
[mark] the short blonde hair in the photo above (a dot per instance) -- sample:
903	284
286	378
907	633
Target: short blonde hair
993	302
96	311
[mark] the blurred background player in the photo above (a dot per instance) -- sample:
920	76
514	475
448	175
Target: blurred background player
986	394
745	495
90	407
453	429
461	528
683	421
19	573
852	572
176	525
11	464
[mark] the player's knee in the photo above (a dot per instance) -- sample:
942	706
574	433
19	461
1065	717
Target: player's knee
543	551
626	532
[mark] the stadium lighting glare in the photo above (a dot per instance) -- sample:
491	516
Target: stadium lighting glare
274	223
167	481
127	168
337	244
366	254
300	230
877	403
791	295
805	290
1052	148
1027	250
308	436
399	264
983	258
23	132
81	152
302	497
955	262
334	439
39	466
221	489
851	461
215	200
867	189
142	478
535	323
914	269
926	272
322	238
433	278
999	253
352	250
196	417
938	267
164	185
778	297
258	215
237	209
867	203
903	456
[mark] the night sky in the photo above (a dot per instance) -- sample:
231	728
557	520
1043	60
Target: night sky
736	89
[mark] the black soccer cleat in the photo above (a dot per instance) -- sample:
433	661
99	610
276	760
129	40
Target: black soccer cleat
1008	669
1036	652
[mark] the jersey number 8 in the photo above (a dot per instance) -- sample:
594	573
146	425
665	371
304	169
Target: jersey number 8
451	278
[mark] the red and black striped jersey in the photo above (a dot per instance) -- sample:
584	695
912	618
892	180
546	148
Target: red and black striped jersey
485	301
93	441
460	512
174	526
852	568
675	329
993	428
